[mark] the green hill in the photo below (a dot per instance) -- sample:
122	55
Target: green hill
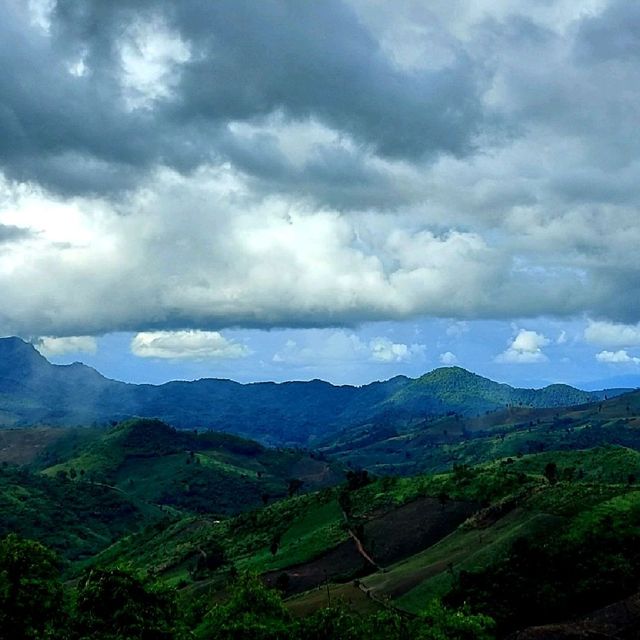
76	519
196	472
436	444
35	392
455	389
389	545
419	533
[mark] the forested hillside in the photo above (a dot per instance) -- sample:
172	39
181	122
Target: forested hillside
476	553
35	392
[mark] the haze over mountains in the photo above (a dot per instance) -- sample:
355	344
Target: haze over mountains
34	391
508	469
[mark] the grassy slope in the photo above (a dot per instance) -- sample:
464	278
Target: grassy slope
306	526
76	519
417	580
200	473
518	501
534	509
571	506
38	447
437	444
513	497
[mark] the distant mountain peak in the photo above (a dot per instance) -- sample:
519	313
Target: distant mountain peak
453	373
15	354
453	370
14	344
34	391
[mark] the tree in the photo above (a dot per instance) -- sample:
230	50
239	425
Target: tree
293	486
438	622
31	599
551	472
211	556
282	582
114	604
253	612
357	479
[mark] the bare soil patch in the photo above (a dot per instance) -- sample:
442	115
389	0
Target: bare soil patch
340	564
413	527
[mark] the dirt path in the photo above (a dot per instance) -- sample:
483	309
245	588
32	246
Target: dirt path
395	535
363	552
359	546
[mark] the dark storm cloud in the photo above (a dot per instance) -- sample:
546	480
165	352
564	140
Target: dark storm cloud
52	122
249	59
240	172
315	59
338	177
10	233
613	34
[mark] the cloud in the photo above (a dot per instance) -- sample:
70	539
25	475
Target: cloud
327	165
617	357
610	35
238	260
383	350
448	358
344	346
12	233
458	329
50	346
178	345
609	334
163	82
525	348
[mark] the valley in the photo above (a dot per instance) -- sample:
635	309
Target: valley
402	517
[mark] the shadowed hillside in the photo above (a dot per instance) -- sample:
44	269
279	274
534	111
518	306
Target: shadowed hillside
398	543
204	472
35	392
437	444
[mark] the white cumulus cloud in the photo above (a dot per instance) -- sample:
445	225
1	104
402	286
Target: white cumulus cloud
612	334
617	357
197	345
344	346
448	358
51	346
525	348
384	350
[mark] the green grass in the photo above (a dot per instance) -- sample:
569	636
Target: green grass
315	531
469	550
77	520
607	464
195	473
306	526
620	513
519	502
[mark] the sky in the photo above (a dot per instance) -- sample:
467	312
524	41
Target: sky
346	189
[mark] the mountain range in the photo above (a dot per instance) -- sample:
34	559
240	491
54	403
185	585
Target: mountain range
35	392
449	489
